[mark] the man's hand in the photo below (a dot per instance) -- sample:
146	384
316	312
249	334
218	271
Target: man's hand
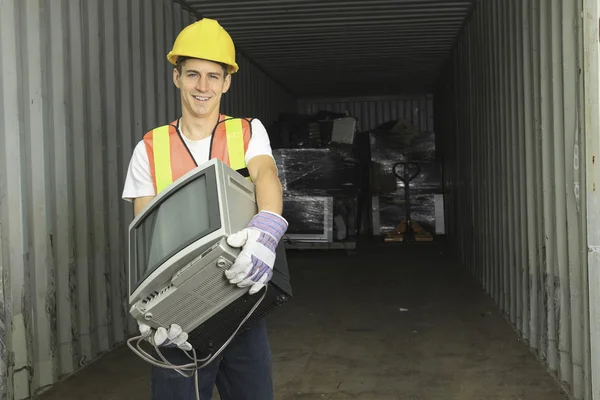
174	337
254	265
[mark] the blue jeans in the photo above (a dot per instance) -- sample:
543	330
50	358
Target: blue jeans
241	372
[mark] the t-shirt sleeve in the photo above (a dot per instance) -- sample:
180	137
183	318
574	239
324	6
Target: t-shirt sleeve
138	182
259	142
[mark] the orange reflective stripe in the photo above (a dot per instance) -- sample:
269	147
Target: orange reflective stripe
170	159
162	158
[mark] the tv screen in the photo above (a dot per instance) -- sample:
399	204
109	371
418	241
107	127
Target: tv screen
184	216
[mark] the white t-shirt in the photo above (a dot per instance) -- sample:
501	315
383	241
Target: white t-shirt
138	182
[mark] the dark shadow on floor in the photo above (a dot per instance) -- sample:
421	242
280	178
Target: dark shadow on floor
390	322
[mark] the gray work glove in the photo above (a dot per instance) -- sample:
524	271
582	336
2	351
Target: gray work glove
258	241
174	337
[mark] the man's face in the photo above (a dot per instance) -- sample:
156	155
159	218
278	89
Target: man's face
202	83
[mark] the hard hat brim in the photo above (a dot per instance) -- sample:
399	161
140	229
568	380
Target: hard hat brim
231	68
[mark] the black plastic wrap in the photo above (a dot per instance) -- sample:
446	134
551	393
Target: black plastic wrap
319	219
317	172
399	141
392	211
389	147
309	216
428	178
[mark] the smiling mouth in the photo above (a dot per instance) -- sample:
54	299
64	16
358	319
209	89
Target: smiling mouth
200	98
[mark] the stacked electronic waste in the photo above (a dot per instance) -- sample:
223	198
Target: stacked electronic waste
401	141
319	172
338	183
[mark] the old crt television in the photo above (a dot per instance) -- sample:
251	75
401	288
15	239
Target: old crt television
178	255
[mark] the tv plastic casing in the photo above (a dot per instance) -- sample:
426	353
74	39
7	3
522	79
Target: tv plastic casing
310	219
187	286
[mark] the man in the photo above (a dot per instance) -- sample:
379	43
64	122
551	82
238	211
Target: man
204	58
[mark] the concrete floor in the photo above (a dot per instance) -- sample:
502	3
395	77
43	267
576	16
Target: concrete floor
386	324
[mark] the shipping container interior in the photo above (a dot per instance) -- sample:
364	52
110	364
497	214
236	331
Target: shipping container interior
435	158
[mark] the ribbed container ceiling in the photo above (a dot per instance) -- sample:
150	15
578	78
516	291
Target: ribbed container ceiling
339	48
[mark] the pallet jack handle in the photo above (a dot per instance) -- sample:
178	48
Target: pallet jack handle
407	178
405	232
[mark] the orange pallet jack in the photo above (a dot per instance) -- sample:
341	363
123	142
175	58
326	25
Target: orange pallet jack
408	230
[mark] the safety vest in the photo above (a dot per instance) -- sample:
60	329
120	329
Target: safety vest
170	157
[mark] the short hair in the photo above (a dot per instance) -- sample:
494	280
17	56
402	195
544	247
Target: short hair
182	59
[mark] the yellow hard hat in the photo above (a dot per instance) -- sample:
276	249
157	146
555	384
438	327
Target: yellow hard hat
205	39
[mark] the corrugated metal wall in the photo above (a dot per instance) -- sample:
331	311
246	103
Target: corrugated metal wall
81	81
509	113
254	94
373	111
591	127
